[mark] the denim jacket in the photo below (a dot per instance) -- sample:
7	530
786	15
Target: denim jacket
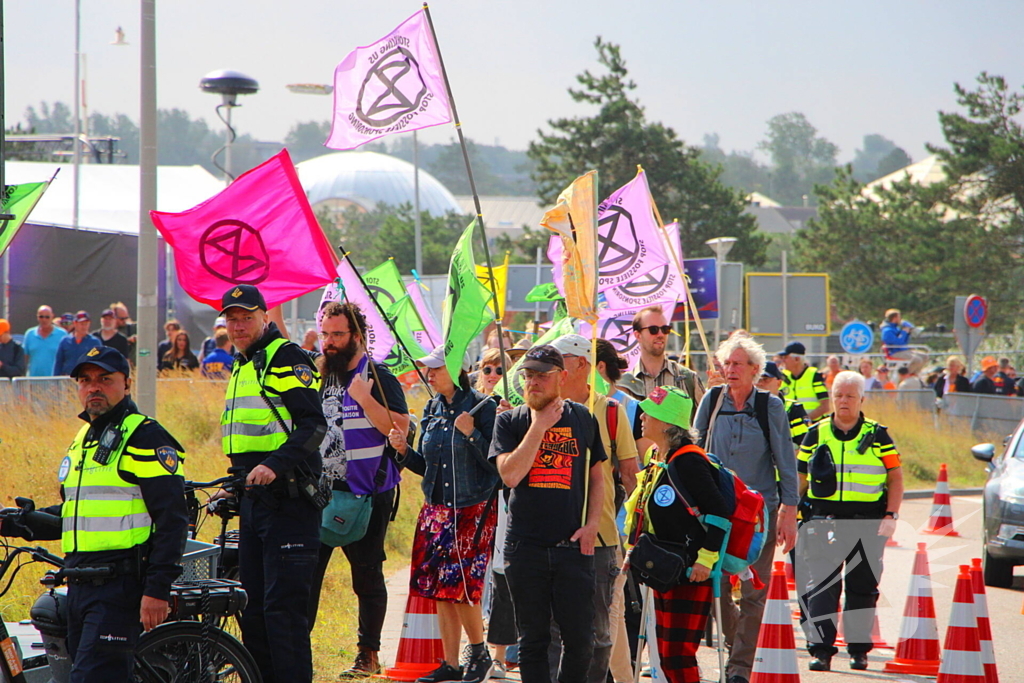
447	456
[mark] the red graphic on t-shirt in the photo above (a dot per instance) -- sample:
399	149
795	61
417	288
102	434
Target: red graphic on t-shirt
552	468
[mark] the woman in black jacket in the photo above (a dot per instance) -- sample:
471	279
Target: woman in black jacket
954	369
681	479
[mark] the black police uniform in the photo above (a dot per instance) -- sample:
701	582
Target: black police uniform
103	615
279	531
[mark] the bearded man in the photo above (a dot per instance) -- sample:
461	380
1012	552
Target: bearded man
362	402
548	453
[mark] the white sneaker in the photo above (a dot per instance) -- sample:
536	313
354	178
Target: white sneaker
498	671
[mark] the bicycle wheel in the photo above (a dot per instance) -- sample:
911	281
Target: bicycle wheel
176	652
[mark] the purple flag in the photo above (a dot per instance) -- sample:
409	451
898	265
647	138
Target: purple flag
394	85
661	285
629	243
379	340
433	332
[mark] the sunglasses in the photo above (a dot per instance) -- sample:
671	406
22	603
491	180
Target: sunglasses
655	329
44	317
498	370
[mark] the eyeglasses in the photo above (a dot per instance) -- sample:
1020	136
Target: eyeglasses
324	336
531	375
655	329
44	317
498	370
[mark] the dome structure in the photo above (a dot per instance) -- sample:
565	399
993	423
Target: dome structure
341	179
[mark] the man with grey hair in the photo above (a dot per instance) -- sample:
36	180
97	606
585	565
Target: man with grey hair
749	431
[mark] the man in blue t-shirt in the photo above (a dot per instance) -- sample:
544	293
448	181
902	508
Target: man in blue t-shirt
41	343
73	346
217	364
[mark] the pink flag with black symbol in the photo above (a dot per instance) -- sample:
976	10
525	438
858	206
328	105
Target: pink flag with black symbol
394	85
259	231
347	286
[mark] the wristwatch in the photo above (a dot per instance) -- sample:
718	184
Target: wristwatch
894	515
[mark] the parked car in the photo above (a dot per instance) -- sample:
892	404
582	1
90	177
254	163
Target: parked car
1003	502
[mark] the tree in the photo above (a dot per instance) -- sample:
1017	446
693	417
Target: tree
866	161
617	138
523	249
892	162
801	158
306	140
740	170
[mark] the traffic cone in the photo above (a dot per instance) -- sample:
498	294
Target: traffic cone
962	663
775	657
917	650
941	521
790	574
988	655
420	650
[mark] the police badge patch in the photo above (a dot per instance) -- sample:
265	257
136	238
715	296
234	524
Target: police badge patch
304	374
168	457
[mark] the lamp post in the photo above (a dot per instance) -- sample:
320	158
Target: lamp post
721	247
145	378
229	84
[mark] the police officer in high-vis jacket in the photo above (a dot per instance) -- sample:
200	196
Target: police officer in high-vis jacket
124	521
272	427
854	486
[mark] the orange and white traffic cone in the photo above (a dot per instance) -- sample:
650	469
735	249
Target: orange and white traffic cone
940	523
420	650
775	657
790	574
917	650
988	654
962	661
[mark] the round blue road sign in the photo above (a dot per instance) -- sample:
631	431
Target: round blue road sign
856	338
976	310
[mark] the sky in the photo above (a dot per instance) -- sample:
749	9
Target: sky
725	67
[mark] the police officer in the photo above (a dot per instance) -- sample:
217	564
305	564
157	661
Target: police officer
124	521
771	381
854	485
272	427
803	382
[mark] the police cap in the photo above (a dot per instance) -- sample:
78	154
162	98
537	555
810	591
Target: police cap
105	357
242	296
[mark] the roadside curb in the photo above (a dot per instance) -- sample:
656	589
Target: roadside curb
928	493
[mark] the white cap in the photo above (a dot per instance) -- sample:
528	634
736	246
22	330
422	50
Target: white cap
220	322
573	345
435	359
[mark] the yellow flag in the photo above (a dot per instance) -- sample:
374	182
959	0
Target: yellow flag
500	283
574	220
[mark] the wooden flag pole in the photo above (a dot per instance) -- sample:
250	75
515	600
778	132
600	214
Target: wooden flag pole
384	317
476	197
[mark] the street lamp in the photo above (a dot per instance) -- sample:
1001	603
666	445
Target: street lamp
229	84
721	247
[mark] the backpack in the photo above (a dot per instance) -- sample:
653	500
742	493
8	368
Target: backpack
760	410
745	526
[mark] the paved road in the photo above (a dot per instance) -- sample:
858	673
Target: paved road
944	554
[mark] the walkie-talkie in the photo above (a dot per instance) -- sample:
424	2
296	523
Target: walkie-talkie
110	439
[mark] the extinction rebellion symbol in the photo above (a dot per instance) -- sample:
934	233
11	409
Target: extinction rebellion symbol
619	331
646	284
617	255
393	87
234	251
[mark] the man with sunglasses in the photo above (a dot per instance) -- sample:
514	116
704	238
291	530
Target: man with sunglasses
41	343
651	328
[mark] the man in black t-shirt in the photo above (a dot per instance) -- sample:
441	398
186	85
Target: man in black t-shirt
546	452
362	402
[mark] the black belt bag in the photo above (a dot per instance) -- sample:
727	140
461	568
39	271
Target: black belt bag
661	565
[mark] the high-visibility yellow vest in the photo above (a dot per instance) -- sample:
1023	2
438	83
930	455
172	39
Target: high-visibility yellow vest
859	478
248	424
797	425
102	511
802	389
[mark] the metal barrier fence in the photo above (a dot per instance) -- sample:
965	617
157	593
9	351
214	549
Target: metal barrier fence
977	412
43	393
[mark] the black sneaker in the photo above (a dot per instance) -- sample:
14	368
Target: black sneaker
479	668
821	663
442	674
858	662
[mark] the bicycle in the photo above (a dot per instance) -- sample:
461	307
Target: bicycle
226	509
187	648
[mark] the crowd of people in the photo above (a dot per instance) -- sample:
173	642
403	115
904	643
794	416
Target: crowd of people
543	501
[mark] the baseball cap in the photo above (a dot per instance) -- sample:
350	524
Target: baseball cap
795	348
435	359
67	317
82	315
106	357
108	313
572	345
772	370
4	326
242	296
669	404
988	362
543	358
221	321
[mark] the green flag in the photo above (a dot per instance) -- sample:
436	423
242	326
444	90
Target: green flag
409	326
466	312
385	285
21	199
561	327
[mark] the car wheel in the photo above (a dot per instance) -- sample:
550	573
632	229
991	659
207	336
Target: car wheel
998	573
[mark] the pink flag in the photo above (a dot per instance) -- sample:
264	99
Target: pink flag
259	231
379	340
662	285
433	332
394	85
628	239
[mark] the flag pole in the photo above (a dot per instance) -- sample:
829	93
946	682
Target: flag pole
476	197
384	317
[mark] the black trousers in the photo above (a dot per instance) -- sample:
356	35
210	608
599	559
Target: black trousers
366	558
833	557
103	629
277	554
546	584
